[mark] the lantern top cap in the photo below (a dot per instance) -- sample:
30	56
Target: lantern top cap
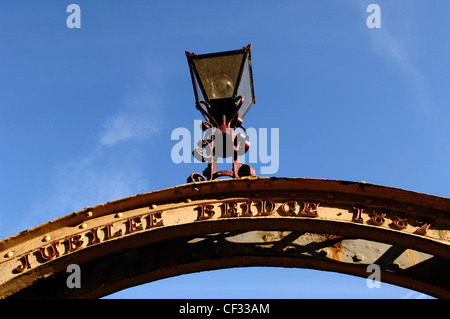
193	55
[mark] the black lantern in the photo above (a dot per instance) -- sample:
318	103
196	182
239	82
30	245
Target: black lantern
223	88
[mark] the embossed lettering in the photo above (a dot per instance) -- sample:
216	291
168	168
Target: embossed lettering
109	234
400	222
248	210
73	242
54	251
377	217
205	212
309	209
155	220
288	207
25	264
265	212
94	234
357	218
134	224
424	224
230	209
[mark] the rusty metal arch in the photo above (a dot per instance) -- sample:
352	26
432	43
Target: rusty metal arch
286	222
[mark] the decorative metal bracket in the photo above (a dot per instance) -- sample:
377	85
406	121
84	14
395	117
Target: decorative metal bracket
221	141
217	144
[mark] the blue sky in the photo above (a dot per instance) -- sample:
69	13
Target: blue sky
86	115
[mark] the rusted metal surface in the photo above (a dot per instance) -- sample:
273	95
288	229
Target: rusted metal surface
322	224
221	142
420	271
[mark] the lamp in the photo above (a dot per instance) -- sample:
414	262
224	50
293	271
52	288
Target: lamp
223	89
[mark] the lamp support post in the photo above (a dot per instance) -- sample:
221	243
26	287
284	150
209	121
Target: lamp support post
221	135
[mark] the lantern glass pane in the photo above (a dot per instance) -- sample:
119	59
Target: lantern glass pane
246	88
198	91
219	74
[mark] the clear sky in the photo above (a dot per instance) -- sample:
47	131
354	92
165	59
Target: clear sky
86	114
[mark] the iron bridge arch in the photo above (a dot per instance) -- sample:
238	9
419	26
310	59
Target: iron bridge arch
286	222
